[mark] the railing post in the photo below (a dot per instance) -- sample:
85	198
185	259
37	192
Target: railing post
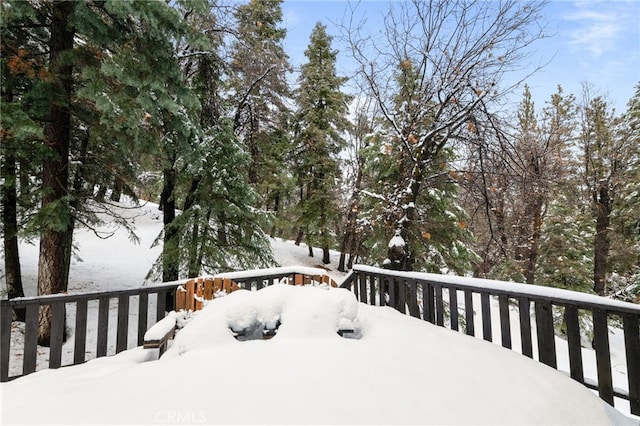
485	306
143	309
468	313
401	288
362	282
603	357
453	308
505	322
414	309
57	334
80	342
545	332
573	341
391	288
439	305
122	327
372	290
382	300
6	314
161	304
632	347
524	310
103	326
428	302
30	338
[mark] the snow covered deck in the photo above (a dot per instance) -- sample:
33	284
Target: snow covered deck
525	317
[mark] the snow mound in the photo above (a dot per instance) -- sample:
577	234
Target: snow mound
317	312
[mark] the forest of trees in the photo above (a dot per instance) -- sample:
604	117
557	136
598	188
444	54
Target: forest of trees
193	104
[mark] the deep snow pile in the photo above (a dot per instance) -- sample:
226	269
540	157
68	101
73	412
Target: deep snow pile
399	370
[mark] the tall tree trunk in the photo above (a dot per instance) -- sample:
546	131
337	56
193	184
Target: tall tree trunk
404	262
194	265
222	228
102	191
55	168
13	275
530	272
343	258
603	204
116	192
350	229
276	210
170	261
326	258
76	201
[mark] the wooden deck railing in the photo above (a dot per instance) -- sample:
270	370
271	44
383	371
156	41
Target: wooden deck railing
431	296
117	319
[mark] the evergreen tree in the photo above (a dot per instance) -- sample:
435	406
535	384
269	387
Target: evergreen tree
352	233
565	257
258	79
624	282
22	69
603	172
321	120
218	228
102	85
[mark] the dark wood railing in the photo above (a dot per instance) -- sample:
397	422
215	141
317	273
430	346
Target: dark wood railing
127	314
431	296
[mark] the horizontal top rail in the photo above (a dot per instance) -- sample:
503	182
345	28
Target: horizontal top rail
269	273
76	297
511	289
240	276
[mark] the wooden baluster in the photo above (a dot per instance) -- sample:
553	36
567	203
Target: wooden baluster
143	310
468	313
524	310
199	292
505	321
123	323
190	287
603	356
573	341
546	335
453	308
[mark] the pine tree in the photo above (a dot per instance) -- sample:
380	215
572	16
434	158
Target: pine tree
624	282
352	233
565	257
258	79
97	93
605	158
218	228
321	119
23	67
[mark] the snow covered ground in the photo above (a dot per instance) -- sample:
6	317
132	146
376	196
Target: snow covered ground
399	370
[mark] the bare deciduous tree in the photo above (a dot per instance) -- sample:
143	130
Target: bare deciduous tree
460	54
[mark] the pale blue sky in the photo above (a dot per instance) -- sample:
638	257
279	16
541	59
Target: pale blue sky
592	41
